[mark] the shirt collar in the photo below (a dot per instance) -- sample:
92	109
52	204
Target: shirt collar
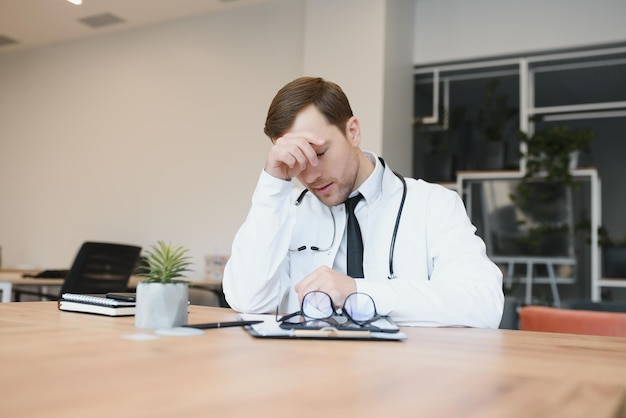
372	187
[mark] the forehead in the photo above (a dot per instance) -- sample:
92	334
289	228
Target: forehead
310	119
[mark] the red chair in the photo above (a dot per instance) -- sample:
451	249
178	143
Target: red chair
572	321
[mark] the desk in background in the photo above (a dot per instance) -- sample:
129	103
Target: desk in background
11	278
75	365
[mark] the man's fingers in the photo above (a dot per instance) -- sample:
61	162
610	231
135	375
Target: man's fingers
291	154
308	142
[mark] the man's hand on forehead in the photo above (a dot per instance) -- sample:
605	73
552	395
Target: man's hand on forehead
313	139
292	153
320	146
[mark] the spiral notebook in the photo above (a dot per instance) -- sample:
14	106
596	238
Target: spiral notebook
95	304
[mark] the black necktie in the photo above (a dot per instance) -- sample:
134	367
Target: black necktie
355	242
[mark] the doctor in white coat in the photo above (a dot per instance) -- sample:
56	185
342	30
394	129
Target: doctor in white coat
423	264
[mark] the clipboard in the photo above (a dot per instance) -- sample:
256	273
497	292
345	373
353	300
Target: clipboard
269	328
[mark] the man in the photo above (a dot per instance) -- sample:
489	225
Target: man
422	262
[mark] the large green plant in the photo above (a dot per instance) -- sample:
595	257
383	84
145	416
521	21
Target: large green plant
605	239
494	113
548	175
548	152
164	263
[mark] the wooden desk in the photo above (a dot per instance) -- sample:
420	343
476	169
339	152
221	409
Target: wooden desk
67	364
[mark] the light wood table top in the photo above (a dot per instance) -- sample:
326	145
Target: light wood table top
66	364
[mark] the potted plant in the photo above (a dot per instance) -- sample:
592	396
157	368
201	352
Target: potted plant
494	116
542	191
553	152
162	298
438	160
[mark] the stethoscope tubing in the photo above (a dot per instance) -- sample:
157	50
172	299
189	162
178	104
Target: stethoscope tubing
392	246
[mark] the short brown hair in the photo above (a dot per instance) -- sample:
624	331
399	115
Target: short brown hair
327	97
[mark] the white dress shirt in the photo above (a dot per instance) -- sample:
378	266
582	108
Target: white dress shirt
442	276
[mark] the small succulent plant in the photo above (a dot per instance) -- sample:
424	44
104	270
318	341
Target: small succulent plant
164	263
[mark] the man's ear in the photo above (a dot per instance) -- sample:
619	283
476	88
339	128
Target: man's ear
353	131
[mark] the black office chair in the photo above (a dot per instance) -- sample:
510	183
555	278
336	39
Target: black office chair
101	267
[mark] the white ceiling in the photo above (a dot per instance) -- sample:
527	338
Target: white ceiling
41	22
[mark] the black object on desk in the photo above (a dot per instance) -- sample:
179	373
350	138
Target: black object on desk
48	274
222	324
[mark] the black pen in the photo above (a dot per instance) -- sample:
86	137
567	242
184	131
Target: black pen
223	324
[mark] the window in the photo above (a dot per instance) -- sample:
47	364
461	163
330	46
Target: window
459	106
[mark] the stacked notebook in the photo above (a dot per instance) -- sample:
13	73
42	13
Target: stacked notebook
95	304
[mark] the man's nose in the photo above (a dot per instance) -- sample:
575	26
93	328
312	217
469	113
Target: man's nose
311	173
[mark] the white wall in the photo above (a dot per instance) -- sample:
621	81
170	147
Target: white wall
157	133
397	107
147	134
349	51
450	30
365	46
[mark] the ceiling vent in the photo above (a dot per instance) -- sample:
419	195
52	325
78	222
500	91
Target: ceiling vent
101	20
5	41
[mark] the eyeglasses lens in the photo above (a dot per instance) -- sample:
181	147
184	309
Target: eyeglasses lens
360	307
317	305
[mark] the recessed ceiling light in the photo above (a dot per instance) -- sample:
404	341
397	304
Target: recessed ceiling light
5	40
76	2
103	19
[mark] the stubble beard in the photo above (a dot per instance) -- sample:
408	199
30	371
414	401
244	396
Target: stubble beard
345	187
336	198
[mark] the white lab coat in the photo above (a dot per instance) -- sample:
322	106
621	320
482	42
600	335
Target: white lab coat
443	276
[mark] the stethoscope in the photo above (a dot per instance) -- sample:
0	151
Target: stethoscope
392	246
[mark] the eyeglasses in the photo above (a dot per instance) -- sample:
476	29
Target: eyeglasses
357	307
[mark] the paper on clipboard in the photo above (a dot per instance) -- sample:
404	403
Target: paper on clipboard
269	328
